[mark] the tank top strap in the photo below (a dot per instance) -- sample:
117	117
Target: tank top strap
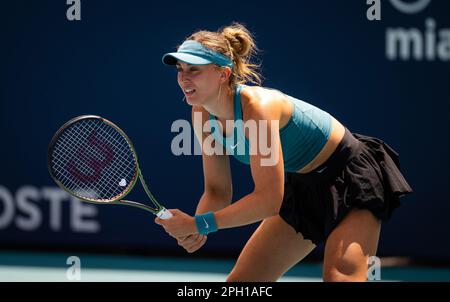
237	103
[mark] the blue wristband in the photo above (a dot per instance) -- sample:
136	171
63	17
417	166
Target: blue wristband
206	223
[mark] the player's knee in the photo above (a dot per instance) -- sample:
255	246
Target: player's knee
343	274
334	275
345	269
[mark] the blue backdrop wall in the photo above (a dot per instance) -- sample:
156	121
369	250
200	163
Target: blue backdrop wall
387	78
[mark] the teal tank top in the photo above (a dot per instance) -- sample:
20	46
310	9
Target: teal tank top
302	138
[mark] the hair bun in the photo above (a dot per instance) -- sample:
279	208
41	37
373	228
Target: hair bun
235	42
240	39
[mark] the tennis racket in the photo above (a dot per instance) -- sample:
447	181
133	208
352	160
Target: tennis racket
94	160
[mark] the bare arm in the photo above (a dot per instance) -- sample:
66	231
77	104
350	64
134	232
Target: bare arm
218	187
266	198
216	170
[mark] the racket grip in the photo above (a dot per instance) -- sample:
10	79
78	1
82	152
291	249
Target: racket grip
164	214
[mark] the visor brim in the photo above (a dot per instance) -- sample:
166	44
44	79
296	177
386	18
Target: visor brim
172	58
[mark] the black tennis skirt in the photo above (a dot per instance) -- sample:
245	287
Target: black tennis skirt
363	172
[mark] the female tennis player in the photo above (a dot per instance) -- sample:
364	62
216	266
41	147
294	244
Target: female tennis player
329	185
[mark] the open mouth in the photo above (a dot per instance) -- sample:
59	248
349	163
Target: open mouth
189	92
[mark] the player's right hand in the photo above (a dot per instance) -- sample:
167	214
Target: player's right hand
193	242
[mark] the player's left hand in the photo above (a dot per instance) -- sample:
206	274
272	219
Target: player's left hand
179	225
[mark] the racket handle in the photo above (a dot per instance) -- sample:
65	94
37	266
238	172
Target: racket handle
164	214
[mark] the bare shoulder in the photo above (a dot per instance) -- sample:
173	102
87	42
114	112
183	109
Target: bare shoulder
265	103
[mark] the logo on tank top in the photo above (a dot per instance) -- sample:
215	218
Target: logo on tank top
320	171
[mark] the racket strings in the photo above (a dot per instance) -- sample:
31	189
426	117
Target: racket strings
111	174
66	147
93	160
66	144
87	166
84	168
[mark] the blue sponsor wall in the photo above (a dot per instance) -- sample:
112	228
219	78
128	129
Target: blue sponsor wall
387	78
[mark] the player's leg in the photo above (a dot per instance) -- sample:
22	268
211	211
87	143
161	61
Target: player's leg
350	245
271	251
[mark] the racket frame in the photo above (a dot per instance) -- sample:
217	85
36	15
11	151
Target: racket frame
159	210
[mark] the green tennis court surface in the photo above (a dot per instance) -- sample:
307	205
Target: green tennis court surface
41	267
